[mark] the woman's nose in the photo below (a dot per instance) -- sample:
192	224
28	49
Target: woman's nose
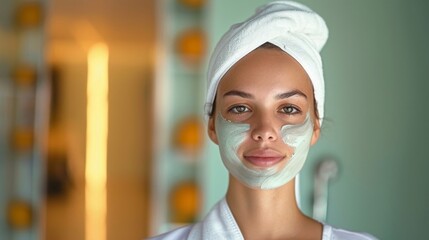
264	128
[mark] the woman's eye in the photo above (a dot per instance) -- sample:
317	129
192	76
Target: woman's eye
239	109
290	110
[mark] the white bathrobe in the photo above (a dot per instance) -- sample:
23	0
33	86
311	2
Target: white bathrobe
220	224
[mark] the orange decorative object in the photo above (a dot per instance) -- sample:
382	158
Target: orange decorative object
185	202
29	14
25	75
23	139
19	214
196	4
189	135
191	45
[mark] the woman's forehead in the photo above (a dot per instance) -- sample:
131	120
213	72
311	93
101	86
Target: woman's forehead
266	69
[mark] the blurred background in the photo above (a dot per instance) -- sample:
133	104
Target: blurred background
101	128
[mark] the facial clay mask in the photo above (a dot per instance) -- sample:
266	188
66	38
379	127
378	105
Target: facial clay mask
231	135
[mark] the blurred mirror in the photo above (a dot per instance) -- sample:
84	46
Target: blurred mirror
127	30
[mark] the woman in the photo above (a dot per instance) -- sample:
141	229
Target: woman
265	107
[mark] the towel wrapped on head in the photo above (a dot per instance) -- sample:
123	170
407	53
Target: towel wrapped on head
291	26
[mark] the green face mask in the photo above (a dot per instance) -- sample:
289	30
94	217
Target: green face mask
231	135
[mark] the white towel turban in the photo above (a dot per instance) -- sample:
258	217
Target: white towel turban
291	26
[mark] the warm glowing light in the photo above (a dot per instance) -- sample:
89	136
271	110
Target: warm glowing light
96	142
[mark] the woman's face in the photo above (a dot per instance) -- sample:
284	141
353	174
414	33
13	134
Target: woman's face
265	91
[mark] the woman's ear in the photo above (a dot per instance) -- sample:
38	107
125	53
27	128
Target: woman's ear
211	130
316	132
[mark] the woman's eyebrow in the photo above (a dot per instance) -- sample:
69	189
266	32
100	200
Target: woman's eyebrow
290	94
238	93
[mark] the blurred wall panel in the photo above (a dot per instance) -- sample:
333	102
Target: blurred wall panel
23	121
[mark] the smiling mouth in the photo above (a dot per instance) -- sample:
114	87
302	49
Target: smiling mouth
263	161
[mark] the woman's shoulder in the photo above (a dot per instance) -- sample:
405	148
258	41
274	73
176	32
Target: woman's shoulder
331	233
178	233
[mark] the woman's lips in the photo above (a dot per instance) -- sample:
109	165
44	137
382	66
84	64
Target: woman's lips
263	157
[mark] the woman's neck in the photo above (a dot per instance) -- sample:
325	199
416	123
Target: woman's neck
270	214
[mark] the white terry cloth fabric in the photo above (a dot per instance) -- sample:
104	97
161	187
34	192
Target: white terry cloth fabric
291	26
220	224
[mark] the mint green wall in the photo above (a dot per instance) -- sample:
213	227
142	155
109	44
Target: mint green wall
375	63
376	68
